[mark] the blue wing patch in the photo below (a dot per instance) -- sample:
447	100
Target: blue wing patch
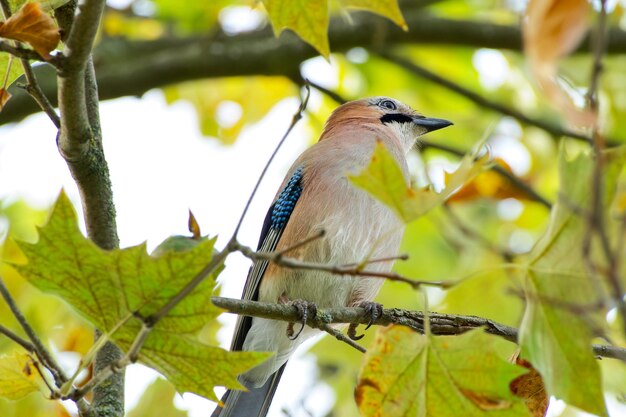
286	201
273	226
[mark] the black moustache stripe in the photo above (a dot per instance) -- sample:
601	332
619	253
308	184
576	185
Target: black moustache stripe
396	117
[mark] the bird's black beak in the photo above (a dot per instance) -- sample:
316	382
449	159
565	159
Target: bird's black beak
431	124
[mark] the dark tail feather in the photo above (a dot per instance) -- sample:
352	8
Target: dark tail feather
253	403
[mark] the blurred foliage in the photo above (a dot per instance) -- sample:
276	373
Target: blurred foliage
250	99
157	400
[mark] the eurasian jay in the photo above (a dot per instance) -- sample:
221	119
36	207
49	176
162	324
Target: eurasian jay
316	196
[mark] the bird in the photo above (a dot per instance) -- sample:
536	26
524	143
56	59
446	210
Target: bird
315	198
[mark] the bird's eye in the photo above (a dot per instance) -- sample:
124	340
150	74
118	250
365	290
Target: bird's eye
388	104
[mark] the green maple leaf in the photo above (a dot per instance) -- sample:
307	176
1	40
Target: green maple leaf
559	322
112	288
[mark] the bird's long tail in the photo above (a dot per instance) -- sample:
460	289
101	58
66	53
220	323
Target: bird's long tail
253	403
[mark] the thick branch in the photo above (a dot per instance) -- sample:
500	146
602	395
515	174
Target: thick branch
82	33
133	67
80	143
440	324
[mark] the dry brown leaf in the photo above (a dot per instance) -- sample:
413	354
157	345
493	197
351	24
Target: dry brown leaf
553	29
530	387
4	97
30	24
193	226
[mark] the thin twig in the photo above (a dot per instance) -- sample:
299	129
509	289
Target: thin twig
333	95
596	223
350	269
53	390
40	350
554	130
296	117
400	257
341	337
32	86
20	52
440	324
22	342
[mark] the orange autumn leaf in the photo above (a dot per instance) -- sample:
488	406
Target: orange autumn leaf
530	387
31	25
4	97
488	184
552	29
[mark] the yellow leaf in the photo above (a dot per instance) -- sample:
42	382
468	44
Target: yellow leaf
30	24
488	184
384	180
307	18
18	376
409	374
387	8
552	29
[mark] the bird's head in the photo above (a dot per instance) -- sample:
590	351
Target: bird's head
382	115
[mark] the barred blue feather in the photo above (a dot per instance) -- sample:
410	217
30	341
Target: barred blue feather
286	201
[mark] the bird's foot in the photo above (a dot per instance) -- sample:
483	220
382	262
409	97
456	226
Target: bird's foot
305	310
373	310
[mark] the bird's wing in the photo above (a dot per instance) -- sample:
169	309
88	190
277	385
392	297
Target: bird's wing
275	222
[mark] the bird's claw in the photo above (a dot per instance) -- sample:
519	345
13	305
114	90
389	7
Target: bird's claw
304	309
373	310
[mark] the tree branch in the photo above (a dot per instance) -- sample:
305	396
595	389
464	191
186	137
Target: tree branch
126	67
80	143
440	324
554	130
